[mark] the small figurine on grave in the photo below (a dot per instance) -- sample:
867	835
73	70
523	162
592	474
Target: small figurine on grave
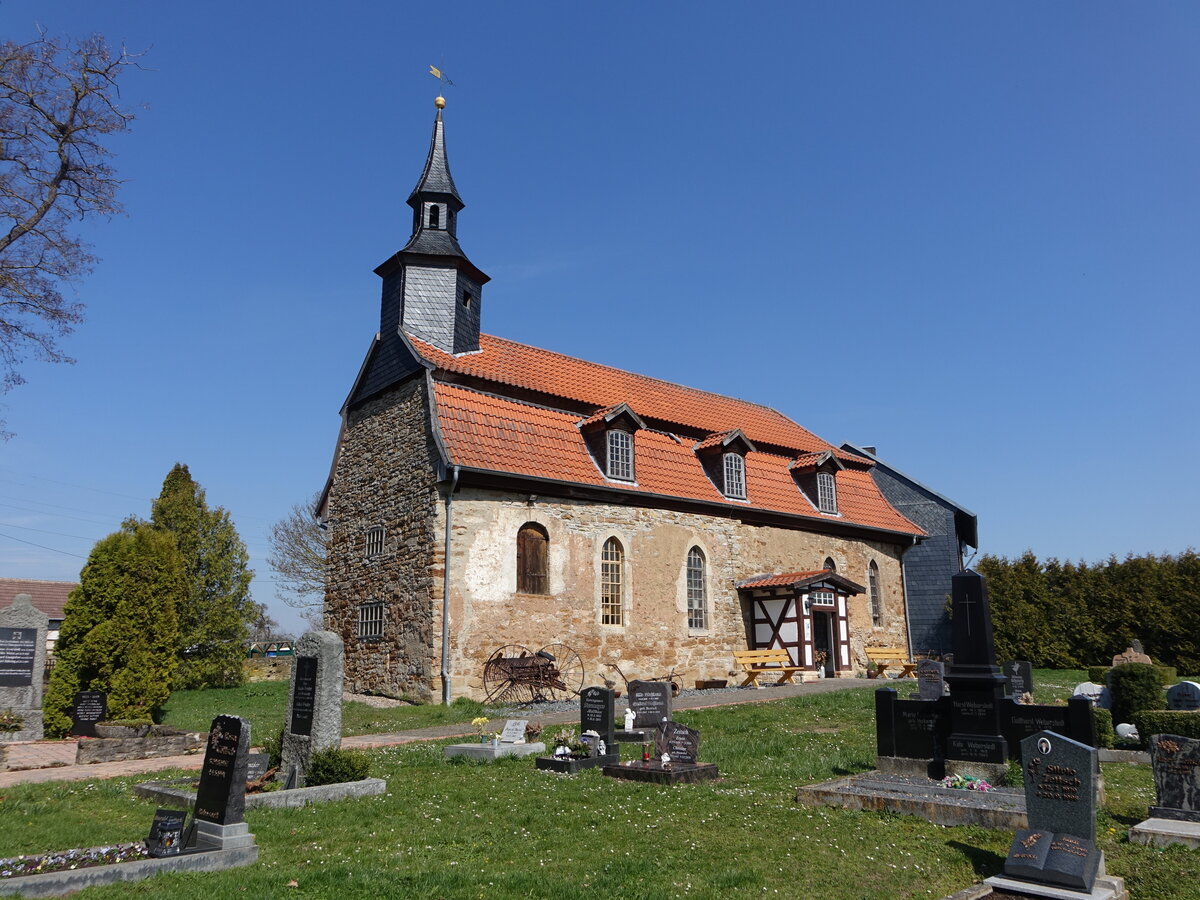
666	760
603	748
630	716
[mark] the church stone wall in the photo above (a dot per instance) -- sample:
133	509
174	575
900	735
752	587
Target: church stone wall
487	612
384	476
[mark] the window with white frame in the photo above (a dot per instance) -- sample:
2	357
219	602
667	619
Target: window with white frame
370	621
735	476
375	540
612	564
826	493
697	590
821	598
873	593
620	455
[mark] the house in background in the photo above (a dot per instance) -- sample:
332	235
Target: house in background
486	494
48	596
930	565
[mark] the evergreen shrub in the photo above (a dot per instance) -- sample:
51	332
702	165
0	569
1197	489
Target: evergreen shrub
1098	674
1104	727
1168	675
1135	687
335	765
273	746
1183	722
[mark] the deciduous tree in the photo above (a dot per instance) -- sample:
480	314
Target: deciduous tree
298	557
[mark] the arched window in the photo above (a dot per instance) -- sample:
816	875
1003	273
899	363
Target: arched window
873	591
697	590
435	215
612	565
826	493
533	544
735	476
830	564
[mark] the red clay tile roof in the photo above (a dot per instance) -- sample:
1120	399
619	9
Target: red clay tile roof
500	434
800	580
48	596
713	440
522	366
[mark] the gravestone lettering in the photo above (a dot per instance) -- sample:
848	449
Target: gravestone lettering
919	726
931	679
22	662
166	832
1176	762
976	685
314	714
681	742
650	702
18	652
257	765
304	695
597	712
221	796
513	731
89	708
1020	677
1185	695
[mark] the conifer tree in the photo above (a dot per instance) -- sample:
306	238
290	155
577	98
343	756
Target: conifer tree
216	614
120	633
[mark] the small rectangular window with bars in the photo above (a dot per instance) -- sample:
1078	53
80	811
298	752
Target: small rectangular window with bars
620	455
370	621
375	540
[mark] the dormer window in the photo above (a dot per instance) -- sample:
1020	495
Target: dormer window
735	476
620	455
826	493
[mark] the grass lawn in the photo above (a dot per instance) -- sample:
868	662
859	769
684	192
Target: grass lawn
463	830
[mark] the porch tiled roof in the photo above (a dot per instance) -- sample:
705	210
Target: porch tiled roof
799	580
499	434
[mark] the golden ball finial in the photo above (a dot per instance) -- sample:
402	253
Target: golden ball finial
440	102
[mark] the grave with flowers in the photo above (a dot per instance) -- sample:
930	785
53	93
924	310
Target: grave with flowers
676	759
492	745
595	745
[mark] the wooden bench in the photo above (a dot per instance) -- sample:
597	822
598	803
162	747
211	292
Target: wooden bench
765	662
885	656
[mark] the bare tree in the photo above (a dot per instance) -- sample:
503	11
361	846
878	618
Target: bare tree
298	557
58	107
263	627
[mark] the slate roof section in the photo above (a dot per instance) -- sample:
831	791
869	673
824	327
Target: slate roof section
487	432
436	178
434	243
661	403
48	596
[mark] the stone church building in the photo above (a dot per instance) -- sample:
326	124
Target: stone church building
487	493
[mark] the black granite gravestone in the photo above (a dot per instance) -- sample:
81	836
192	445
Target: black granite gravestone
1176	762
976	685
1018	721
679	741
221	796
597	712
304	695
650	702
1058	848
166	833
1020	678
257	765
89	708
1184	696
930	679
18	651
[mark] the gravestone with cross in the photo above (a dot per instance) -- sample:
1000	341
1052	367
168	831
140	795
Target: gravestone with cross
976	685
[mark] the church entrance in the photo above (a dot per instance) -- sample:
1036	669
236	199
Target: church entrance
823	656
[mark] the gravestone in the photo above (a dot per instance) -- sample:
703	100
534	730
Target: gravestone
1132	655
314	711
1185	695
1058	848
257	765
89	708
219	813
166	833
931	679
22	662
514	731
597	712
1020	677
1099	694
976	685
1176	762
681	742
650	702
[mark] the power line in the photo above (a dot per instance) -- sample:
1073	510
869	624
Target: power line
41	546
44	531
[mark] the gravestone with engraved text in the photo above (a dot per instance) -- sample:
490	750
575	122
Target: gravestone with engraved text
650	702
1184	696
976	685
22	661
1176	762
221	796
597	712
1020	677
89	708
679	741
314	712
931	679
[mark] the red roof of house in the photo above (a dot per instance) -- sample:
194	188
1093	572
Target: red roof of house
801	579
48	596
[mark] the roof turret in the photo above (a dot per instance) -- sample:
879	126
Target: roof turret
436	179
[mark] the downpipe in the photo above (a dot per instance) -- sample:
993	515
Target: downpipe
445	673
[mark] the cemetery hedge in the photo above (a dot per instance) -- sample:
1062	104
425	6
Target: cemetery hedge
1066	615
1185	723
1135	687
505	830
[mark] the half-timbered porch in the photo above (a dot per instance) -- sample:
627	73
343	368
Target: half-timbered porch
804	613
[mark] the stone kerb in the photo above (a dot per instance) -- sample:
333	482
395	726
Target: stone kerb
314	711
22	662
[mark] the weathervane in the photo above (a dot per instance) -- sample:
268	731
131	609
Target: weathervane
440	76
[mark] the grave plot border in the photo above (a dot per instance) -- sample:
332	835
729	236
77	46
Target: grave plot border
168	792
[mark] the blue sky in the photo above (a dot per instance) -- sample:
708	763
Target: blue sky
966	233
